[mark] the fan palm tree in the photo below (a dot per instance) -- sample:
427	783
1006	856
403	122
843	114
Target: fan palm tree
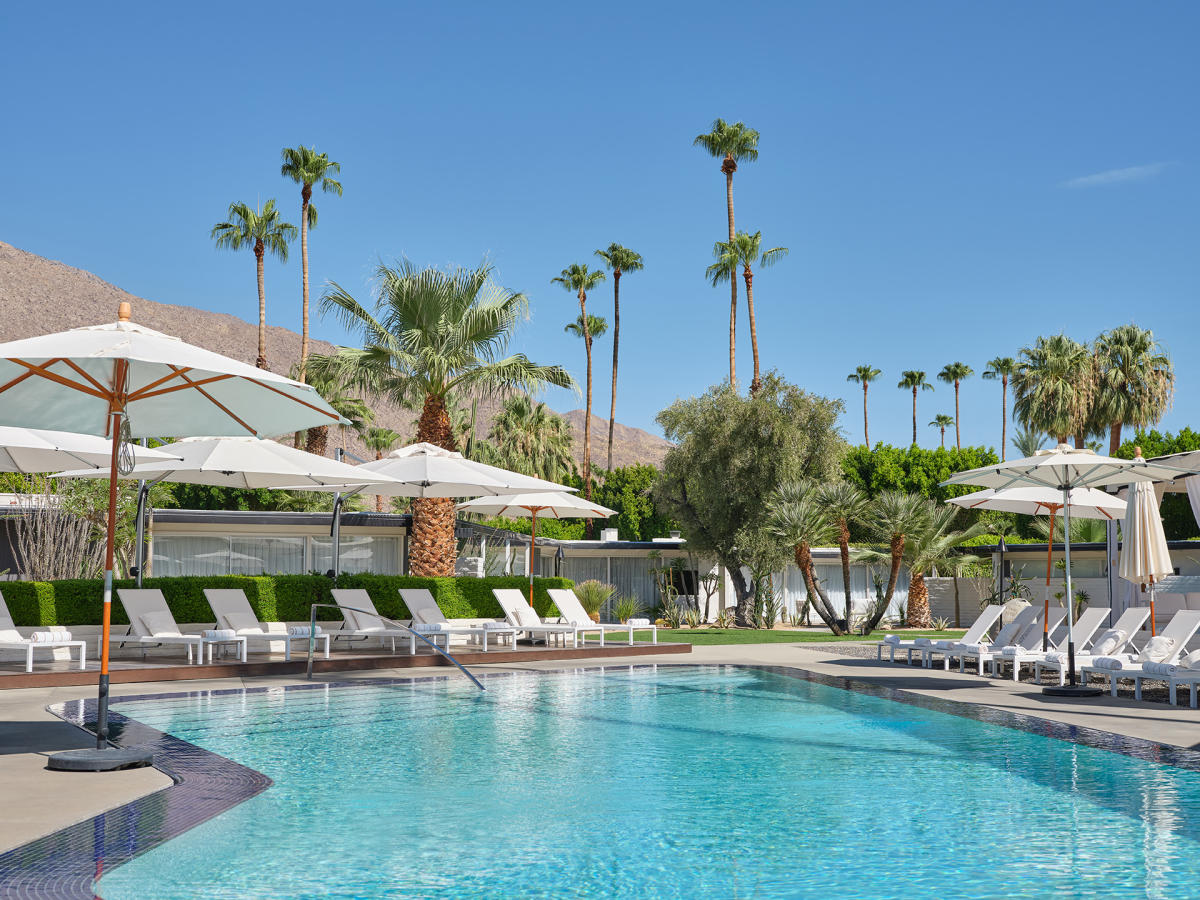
1028	441
1002	367
531	438
942	421
326	381
796	514
1136	380
892	517
433	333
307	167
264	231
1053	386
746	250
380	441
579	279
730	144
914	379
845	504
864	375
953	374
619	260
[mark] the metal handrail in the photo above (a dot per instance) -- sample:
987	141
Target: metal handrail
312	637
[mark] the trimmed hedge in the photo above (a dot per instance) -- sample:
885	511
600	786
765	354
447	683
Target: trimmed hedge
275	598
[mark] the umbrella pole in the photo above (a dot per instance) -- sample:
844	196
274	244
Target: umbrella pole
106	615
1070	594
1049	567
532	556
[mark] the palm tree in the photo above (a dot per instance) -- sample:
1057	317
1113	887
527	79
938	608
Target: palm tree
307	167
1002	367
433	333
892	517
324	377
933	544
915	379
864	375
953	374
796	514
619	260
942	421
380	441
531	438
1028	441
845	504
730	144
596	326
745	249
264	232
579	279
1136	380
1053	386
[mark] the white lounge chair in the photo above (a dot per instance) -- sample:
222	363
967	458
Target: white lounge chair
364	621
1180	630
1006	635
518	612
425	611
151	624
573	613
1182	677
1086	626
1128	623
234	612
1029	641
927	647
1023	622
10	639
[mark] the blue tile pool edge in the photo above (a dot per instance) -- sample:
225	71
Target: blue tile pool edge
67	863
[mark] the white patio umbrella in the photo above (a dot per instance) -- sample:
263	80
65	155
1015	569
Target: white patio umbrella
29	450
427	470
125	381
541	505
1145	557
1031	500
1064	469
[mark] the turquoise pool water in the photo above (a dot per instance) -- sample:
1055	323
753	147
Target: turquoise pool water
688	782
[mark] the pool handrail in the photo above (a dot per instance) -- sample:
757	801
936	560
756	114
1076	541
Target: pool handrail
312	638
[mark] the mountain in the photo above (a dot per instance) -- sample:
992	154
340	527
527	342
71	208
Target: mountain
39	296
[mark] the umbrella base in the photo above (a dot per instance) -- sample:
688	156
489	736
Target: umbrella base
111	759
1072	690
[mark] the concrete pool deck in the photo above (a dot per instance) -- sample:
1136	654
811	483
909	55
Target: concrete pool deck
41	802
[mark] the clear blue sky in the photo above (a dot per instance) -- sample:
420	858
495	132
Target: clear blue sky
953	179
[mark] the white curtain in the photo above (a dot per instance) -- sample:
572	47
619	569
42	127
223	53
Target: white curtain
1193	492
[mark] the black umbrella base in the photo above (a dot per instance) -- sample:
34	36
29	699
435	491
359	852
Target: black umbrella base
1072	690
111	759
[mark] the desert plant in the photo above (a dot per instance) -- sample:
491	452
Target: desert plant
626	607
941	623
593	595
52	544
672	614
725	619
772	606
692	617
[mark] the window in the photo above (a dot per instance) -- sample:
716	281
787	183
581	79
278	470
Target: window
359	553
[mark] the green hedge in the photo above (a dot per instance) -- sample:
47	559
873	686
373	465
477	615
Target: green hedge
275	598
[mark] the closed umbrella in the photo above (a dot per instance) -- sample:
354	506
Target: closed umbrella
124	381
1145	557
543	505
1032	500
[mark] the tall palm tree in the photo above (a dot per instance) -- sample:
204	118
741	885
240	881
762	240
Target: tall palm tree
326	380
619	260
579	279
1136	380
264	231
307	167
914	379
380	441
433	333
796	514
531	438
845	504
892	517
953	374
942	421
1002	367
745	250
730	144
864	375
1053	386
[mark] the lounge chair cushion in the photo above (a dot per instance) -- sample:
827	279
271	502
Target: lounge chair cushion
1108	642
243	623
160	624
1190	660
11	636
1157	649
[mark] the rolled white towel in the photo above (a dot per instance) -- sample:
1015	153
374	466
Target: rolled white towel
1056	656
1012	650
1108	662
49	637
220	634
973	649
302	630
1159	668
497	626
945	645
647	622
892	639
923	642
427	627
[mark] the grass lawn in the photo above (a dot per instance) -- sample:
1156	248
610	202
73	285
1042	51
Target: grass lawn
701	636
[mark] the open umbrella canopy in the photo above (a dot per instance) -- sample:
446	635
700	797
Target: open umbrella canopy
1033	500
538	505
427	470
1068	467
39	450
247	462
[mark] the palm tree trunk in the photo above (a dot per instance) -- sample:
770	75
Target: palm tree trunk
819	603
318	440
866	430
587	413
378	497
844	550
1114	438
432	549
914	415
957	437
259	252
612	407
1003	415
943	437
918	602
755	381
732	280
305	197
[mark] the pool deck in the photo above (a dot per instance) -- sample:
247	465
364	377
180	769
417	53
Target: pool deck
41	801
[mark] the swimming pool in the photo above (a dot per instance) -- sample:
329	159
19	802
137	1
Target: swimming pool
687	782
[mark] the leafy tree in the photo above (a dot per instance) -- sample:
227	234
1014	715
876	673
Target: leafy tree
204	496
914	379
1002	367
864	375
744	249
1053	387
913	469
730	454
618	260
1178	522
954	373
434	333
307	167
1135	380
630	491
942	421
730	143
263	231
531	438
